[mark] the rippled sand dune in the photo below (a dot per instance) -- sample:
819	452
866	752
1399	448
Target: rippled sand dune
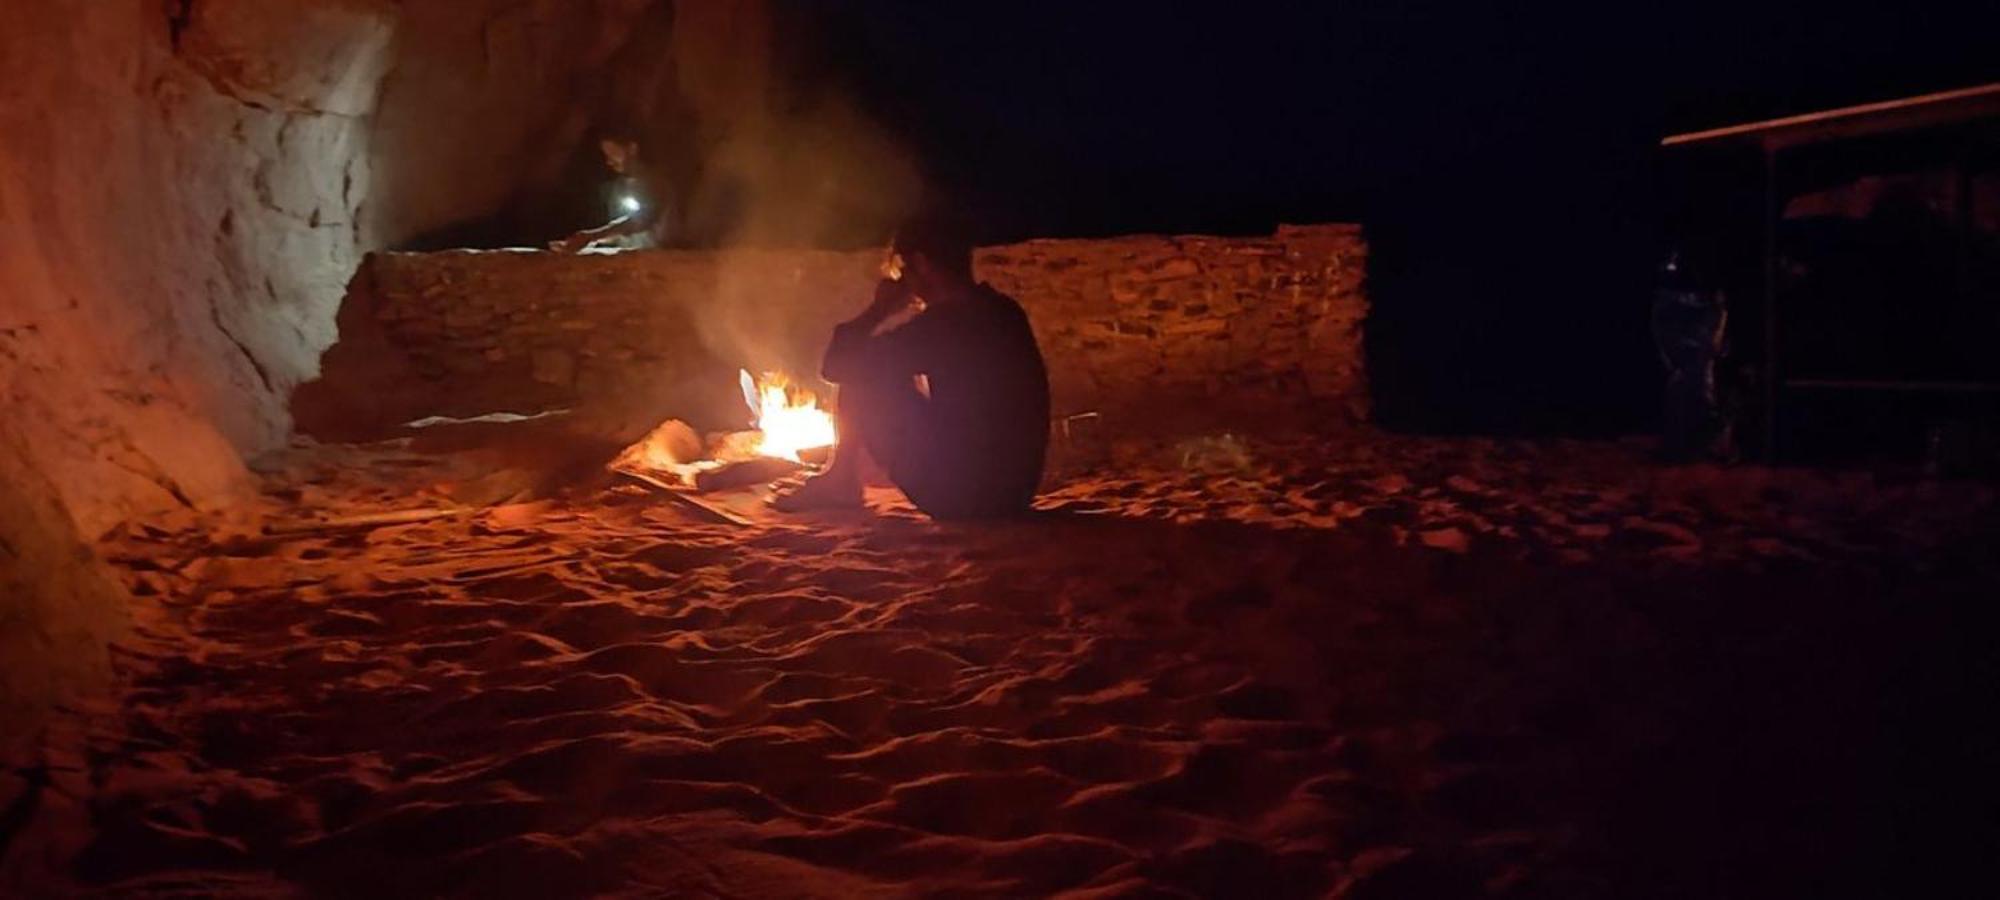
1370	668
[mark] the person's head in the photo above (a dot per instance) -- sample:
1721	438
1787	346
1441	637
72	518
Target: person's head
937	259
620	149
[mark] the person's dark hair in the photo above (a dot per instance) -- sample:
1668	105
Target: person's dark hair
938	241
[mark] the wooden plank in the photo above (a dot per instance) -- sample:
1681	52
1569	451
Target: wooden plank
744	473
686	499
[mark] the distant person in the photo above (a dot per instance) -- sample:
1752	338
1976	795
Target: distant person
637	201
1690	328
941	382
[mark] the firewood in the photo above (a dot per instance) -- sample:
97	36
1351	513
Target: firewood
728	476
686	499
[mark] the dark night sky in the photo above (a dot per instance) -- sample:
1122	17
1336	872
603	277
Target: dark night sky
1504	161
1120	116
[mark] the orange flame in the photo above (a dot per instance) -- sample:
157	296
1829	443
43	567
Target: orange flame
788	416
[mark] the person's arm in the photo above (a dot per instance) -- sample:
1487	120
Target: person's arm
619	227
855	342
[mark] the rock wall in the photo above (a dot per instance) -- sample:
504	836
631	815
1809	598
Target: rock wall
1146	330
485	95
484	132
178	186
177	193
58	607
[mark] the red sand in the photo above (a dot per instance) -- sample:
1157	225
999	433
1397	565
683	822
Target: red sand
1370	667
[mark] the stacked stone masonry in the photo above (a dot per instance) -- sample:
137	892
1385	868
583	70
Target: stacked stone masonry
1146	330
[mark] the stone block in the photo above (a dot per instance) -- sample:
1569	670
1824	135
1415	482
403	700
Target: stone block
552	367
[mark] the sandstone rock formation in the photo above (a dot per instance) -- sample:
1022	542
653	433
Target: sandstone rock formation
483	132
178	184
178	199
58	608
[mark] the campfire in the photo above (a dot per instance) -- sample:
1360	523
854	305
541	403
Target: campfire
790	431
789	420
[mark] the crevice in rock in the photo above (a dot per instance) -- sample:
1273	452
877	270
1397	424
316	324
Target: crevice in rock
153	477
230	92
215	316
180	14
180	20
296	110
266	198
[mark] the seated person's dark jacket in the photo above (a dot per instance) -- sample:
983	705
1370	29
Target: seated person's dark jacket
976	445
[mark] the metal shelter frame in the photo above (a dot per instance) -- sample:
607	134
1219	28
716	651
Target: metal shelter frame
1775	136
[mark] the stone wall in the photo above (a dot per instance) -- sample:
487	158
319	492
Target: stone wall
1146	330
1235	326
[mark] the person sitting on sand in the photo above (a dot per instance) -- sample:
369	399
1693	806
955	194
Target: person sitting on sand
953	402
637	197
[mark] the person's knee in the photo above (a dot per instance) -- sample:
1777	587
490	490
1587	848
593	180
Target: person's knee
864	404
877	377
878	416
880	395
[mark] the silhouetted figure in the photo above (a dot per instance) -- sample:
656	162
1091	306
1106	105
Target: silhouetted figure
953	402
1689	326
638	201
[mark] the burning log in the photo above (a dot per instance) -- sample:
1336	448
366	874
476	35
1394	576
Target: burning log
789	419
792	432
